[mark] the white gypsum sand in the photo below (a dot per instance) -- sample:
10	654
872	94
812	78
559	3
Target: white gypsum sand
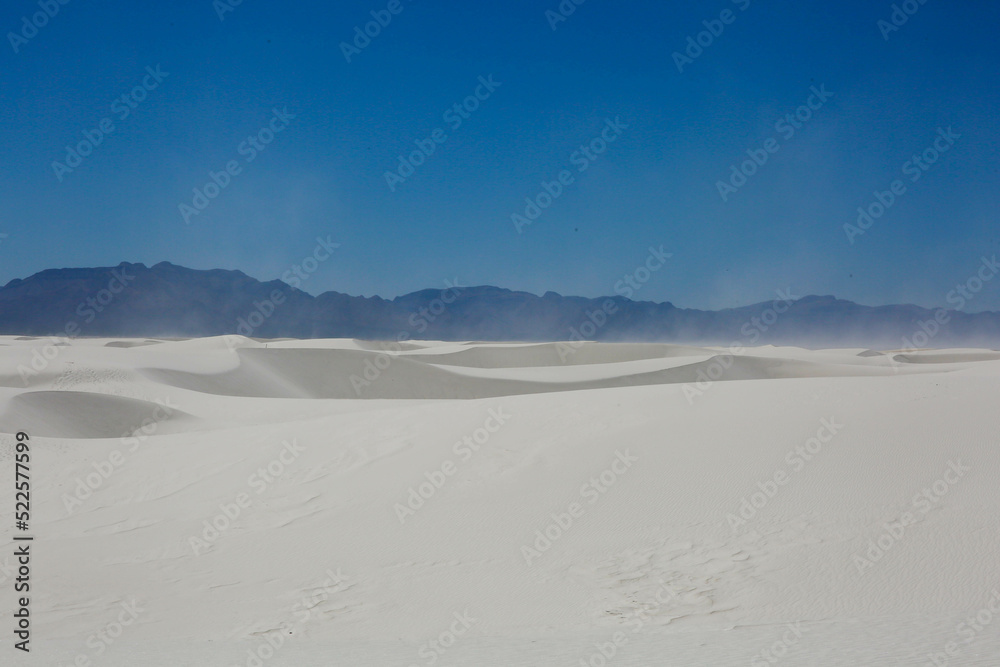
216	502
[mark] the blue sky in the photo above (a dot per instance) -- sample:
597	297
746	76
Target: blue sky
553	90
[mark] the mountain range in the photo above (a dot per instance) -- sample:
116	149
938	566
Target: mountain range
166	300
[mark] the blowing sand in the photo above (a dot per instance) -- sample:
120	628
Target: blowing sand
236	502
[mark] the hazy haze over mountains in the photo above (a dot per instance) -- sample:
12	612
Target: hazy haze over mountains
170	300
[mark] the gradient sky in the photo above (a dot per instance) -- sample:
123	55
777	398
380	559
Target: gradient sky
655	185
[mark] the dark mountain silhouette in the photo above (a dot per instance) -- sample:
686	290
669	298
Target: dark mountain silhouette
132	300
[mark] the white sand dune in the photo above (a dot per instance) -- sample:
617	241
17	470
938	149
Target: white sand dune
491	504
948	356
80	414
489	355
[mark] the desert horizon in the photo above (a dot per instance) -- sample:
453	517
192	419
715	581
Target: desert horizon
538	334
298	502
171	301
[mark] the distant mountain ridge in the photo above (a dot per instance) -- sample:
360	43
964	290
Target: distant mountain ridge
166	300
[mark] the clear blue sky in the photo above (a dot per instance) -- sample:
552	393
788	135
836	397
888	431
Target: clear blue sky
324	174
